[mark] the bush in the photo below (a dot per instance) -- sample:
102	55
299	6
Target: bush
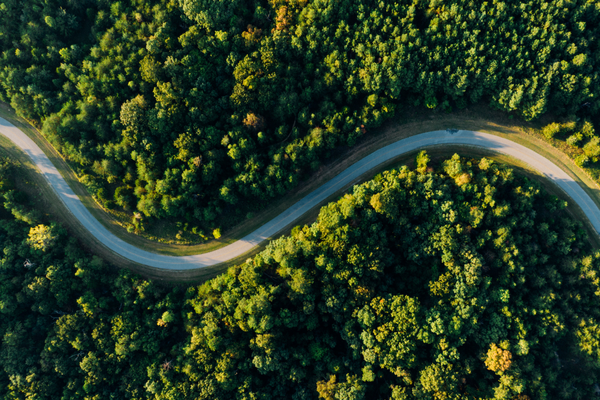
592	148
431	102
582	160
109	205
588	129
91	184
102	195
574	139
124	197
568	127
549	131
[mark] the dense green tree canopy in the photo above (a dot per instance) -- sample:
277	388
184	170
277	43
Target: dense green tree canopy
457	281
192	106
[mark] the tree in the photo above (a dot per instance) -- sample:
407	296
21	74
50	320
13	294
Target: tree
498	360
412	294
41	237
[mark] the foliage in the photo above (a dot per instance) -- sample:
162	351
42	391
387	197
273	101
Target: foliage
73	326
204	110
417	285
41	237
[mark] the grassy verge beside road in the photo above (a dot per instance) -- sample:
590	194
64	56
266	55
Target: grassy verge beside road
409	124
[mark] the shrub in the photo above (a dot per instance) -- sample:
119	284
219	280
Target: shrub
91	184
592	148
568	127
574	139
124	197
588	129
582	160
431	102
102	194
549	131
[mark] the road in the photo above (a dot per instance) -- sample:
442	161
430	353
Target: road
276	225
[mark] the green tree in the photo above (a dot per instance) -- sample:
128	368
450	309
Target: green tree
41	237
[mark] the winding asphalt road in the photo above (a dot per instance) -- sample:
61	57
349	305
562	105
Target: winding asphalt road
270	229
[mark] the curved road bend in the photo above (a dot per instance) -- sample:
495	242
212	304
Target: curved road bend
270	229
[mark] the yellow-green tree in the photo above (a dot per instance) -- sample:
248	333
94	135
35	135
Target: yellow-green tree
41	237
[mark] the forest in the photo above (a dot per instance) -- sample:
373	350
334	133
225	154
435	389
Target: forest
204	111
454	280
